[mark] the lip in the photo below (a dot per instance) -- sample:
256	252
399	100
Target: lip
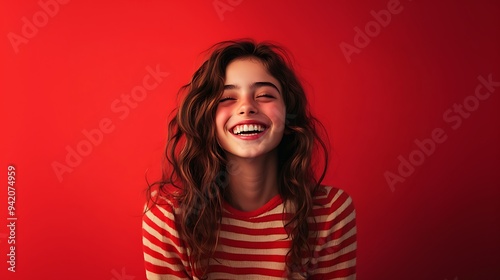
249	137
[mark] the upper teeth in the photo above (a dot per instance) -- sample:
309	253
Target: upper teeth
247	127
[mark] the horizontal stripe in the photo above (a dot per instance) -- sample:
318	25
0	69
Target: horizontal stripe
260	255
325	258
255	245
257	271
262	237
257	223
227	275
224	248
343	268
221	265
167	275
159	267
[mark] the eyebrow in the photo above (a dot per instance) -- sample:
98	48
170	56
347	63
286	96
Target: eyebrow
253	86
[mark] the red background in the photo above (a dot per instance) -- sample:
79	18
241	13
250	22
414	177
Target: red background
442	222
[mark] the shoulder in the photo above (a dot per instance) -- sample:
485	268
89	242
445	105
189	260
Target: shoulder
335	244
162	209
165	253
328	195
332	204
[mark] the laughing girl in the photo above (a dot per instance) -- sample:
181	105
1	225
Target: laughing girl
239	198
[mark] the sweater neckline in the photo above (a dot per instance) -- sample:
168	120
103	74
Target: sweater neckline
271	204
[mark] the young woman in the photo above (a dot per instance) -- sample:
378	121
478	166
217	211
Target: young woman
239	198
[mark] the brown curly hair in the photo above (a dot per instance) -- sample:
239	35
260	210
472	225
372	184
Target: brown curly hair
196	166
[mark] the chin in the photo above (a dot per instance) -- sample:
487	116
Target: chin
249	154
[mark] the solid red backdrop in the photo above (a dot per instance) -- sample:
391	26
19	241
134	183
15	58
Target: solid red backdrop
408	91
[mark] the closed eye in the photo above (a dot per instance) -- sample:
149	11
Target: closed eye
226	99
266	95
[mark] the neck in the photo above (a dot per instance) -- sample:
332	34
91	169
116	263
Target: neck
252	182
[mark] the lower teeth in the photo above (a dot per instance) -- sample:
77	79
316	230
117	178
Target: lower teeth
247	134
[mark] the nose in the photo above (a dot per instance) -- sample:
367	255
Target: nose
247	107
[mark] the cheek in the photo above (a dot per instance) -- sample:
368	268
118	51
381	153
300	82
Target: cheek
221	117
278	116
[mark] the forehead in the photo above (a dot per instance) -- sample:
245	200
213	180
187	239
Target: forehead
246	71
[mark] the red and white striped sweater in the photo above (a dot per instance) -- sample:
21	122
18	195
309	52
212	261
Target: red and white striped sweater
253	245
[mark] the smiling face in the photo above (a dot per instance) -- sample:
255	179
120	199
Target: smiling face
250	117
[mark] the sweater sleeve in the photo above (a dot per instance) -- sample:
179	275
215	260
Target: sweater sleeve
165	255
335	250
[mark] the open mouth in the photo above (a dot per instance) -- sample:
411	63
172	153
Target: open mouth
248	129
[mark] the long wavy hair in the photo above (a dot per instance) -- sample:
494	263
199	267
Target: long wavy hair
195	170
